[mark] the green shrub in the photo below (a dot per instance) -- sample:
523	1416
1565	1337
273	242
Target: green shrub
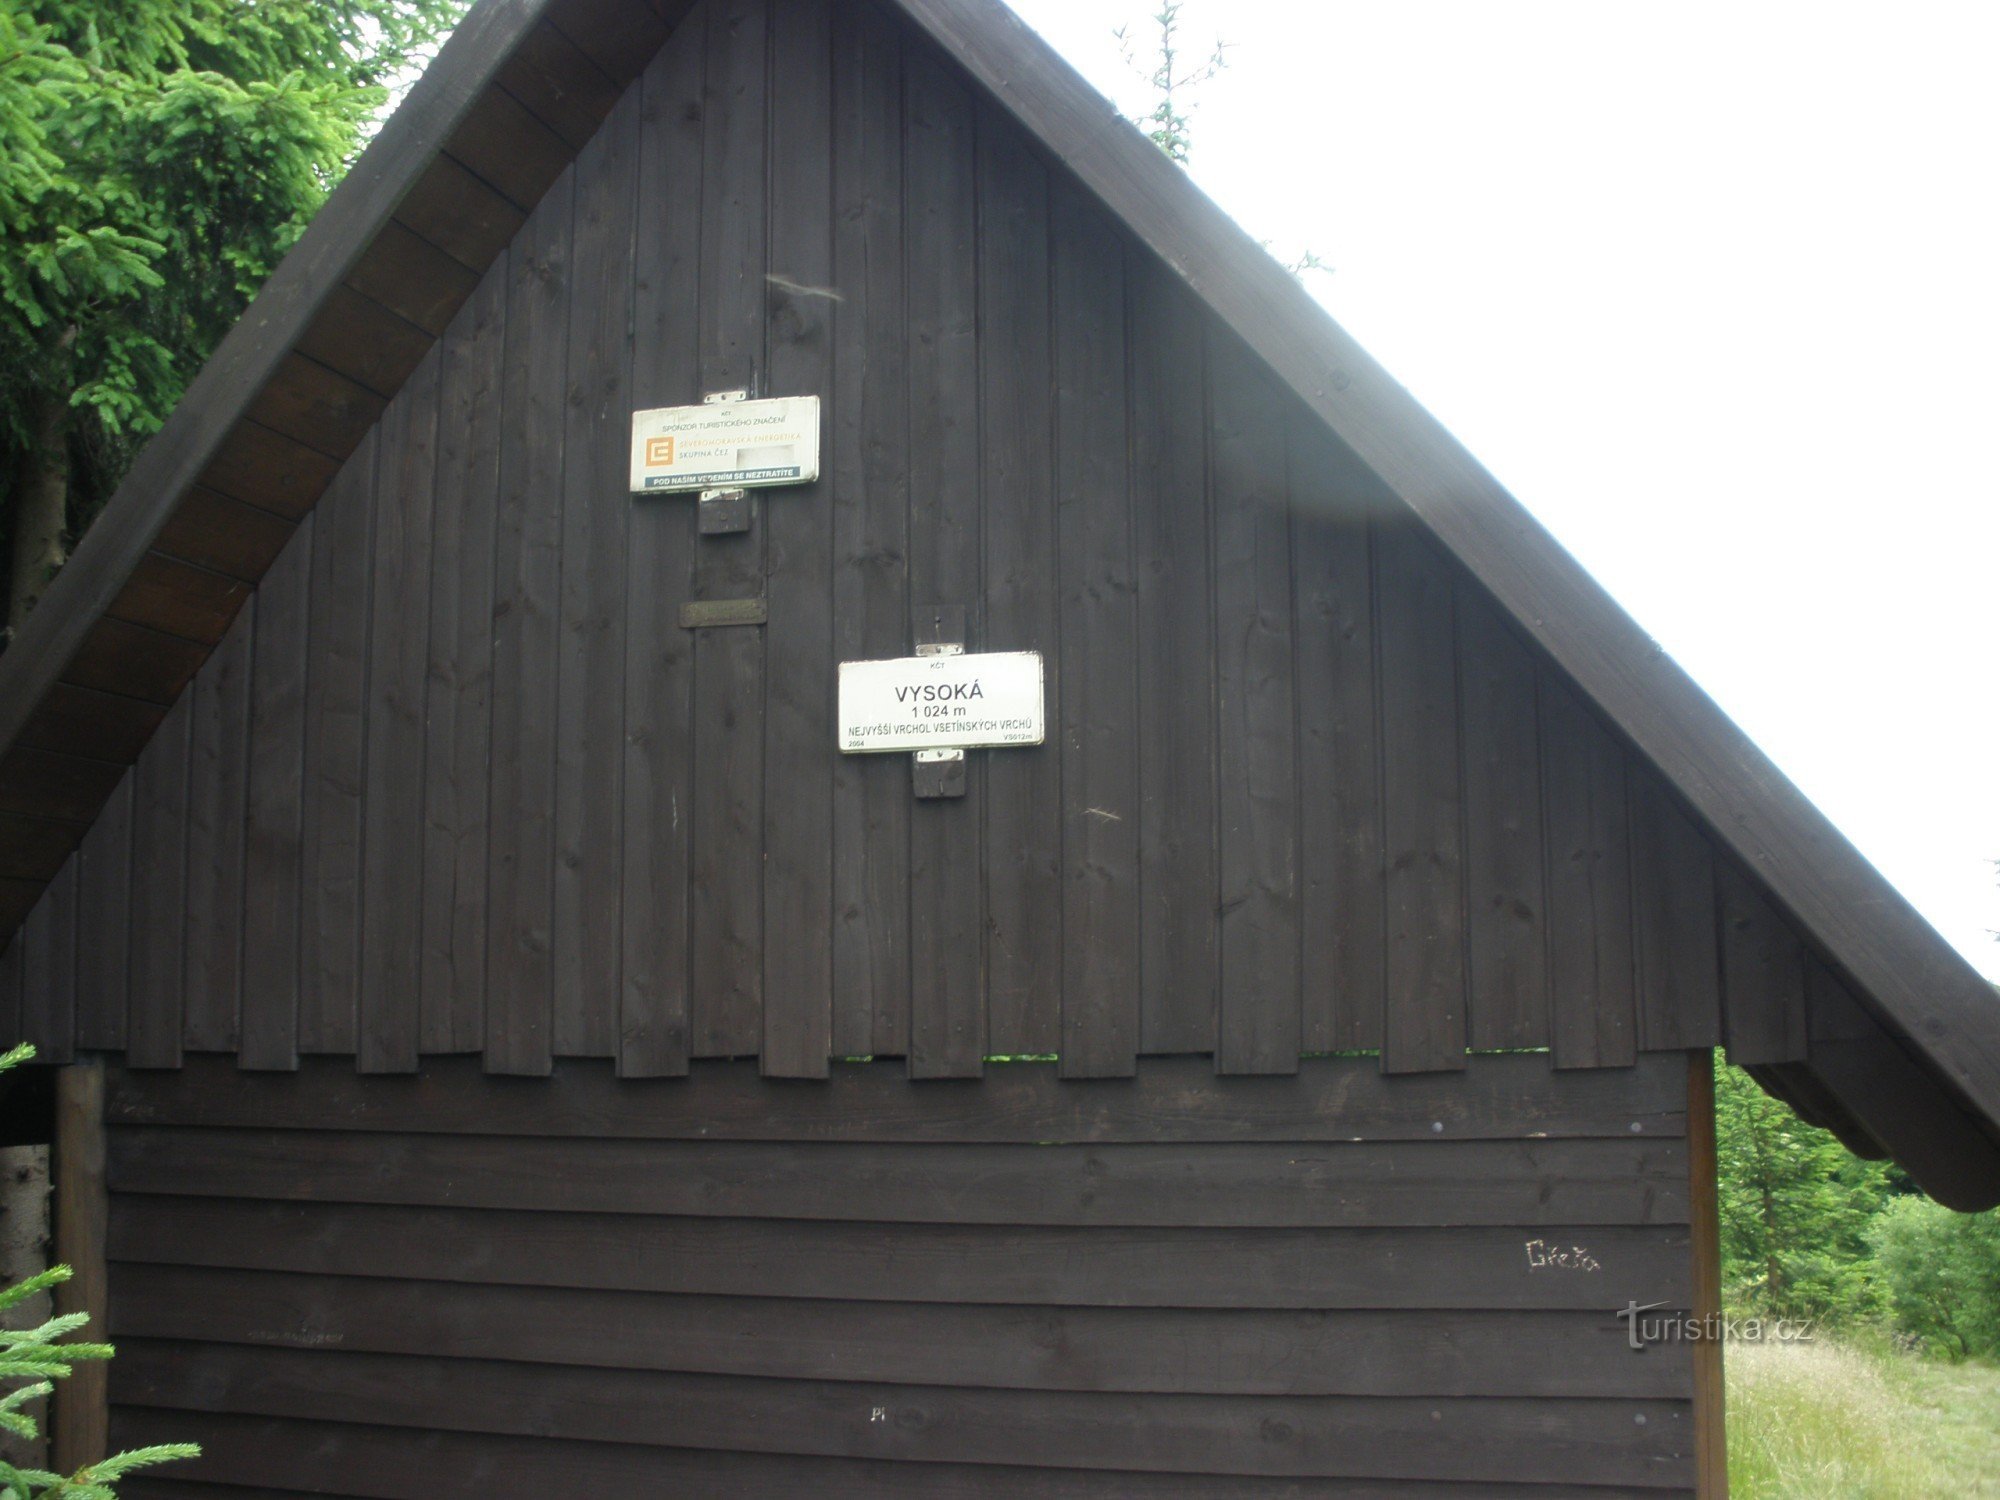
1795	1208
1939	1274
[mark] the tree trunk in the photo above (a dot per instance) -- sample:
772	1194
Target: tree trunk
41	492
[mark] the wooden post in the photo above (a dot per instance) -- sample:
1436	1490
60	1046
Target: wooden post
82	1406
1705	1235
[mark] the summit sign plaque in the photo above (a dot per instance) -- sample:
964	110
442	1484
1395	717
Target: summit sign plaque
725	445
941	702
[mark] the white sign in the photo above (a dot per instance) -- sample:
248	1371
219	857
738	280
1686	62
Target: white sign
941	702
727	445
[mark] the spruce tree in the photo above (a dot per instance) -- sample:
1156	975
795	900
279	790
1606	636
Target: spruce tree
157	159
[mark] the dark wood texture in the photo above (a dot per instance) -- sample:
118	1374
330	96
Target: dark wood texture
159	894
179	599
659	655
1016	412
1506	904
1591	974
1094	708
1257	808
527	586
458	683
1763	977
1424	1027
866	446
224	535
92	724
726	893
104	924
1674	921
81	1211
401	1464
947	853
1340	748
798	771
590	664
274	828
47	944
45	784
336	748
1331	1099
1711	1457
392	801
142	662
1178	881
1065	1266
295	391
1309	786
218	798
990	1304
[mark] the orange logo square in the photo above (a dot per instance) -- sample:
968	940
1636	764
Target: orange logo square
659	451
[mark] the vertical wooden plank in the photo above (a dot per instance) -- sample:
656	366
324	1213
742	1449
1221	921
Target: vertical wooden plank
104	910
869	456
159	893
13	984
80	1430
1096	694
48	970
1673	910
728	812
218	793
1592	978
458	684
392	841
336	746
798	770
1506	933
1424	883
659	655
590	720
273	846
1763	977
948	990
1023	787
1340	791
527	583
1178	939
1705	1245
1258	1019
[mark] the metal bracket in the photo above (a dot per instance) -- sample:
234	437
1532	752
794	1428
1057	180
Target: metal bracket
701	614
723	512
716	398
937	773
938	630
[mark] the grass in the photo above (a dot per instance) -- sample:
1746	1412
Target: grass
1859	1421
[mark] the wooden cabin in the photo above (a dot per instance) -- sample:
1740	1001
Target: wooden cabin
507	1048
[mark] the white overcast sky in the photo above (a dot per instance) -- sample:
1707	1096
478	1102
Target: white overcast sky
1715	290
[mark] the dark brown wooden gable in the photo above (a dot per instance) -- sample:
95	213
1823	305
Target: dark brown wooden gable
462	782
